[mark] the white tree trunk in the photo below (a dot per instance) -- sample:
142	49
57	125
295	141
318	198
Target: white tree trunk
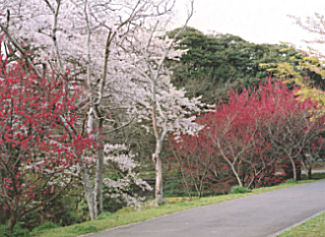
89	192
99	172
156	156
159	179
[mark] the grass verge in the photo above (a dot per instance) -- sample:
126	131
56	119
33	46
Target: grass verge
128	215
314	227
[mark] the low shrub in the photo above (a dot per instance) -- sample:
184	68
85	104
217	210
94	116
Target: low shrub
104	215
291	181
69	217
238	189
30	220
47	225
18	231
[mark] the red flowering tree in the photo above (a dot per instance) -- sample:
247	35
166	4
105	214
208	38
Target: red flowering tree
235	134
252	136
194	162
289	129
38	151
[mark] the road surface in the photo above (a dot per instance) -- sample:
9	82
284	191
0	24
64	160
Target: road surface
259	215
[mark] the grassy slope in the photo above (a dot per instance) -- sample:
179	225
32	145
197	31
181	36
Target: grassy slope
314	227
128	216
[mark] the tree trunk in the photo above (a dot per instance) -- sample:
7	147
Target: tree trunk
231	164
89	190
89	193
294	168
99	180
99	172
306	167
159	181
298	169
12	219
309	173
240	183
156	156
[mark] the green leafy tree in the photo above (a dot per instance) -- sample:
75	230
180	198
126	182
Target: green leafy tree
215	63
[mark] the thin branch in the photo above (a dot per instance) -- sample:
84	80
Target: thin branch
21	50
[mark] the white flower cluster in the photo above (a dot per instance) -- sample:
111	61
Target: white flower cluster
120	188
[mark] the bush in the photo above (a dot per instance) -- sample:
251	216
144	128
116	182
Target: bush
238	189
318	176
104	215
69	217
47	225
4	216
291	181
18	231
174	187
30	220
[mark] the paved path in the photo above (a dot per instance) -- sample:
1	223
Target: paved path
258	215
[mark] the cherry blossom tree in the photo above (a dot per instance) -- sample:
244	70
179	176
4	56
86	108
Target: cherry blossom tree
161	103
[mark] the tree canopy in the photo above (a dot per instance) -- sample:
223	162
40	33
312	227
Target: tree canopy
214	63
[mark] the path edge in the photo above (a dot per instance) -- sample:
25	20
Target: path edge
296	224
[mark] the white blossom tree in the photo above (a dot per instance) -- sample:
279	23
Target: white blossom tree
96	41
161	103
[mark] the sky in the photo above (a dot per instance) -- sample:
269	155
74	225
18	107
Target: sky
258	21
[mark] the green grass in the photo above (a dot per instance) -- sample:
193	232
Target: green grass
314	227
129	215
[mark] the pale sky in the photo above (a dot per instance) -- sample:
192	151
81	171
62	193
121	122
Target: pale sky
258	21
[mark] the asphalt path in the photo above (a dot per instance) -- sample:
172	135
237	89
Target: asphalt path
259	215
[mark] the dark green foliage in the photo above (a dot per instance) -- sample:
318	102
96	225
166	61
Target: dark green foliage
69	217
62	210
112	205
3	215
17	231
238	189
215	63
174	188
30	220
